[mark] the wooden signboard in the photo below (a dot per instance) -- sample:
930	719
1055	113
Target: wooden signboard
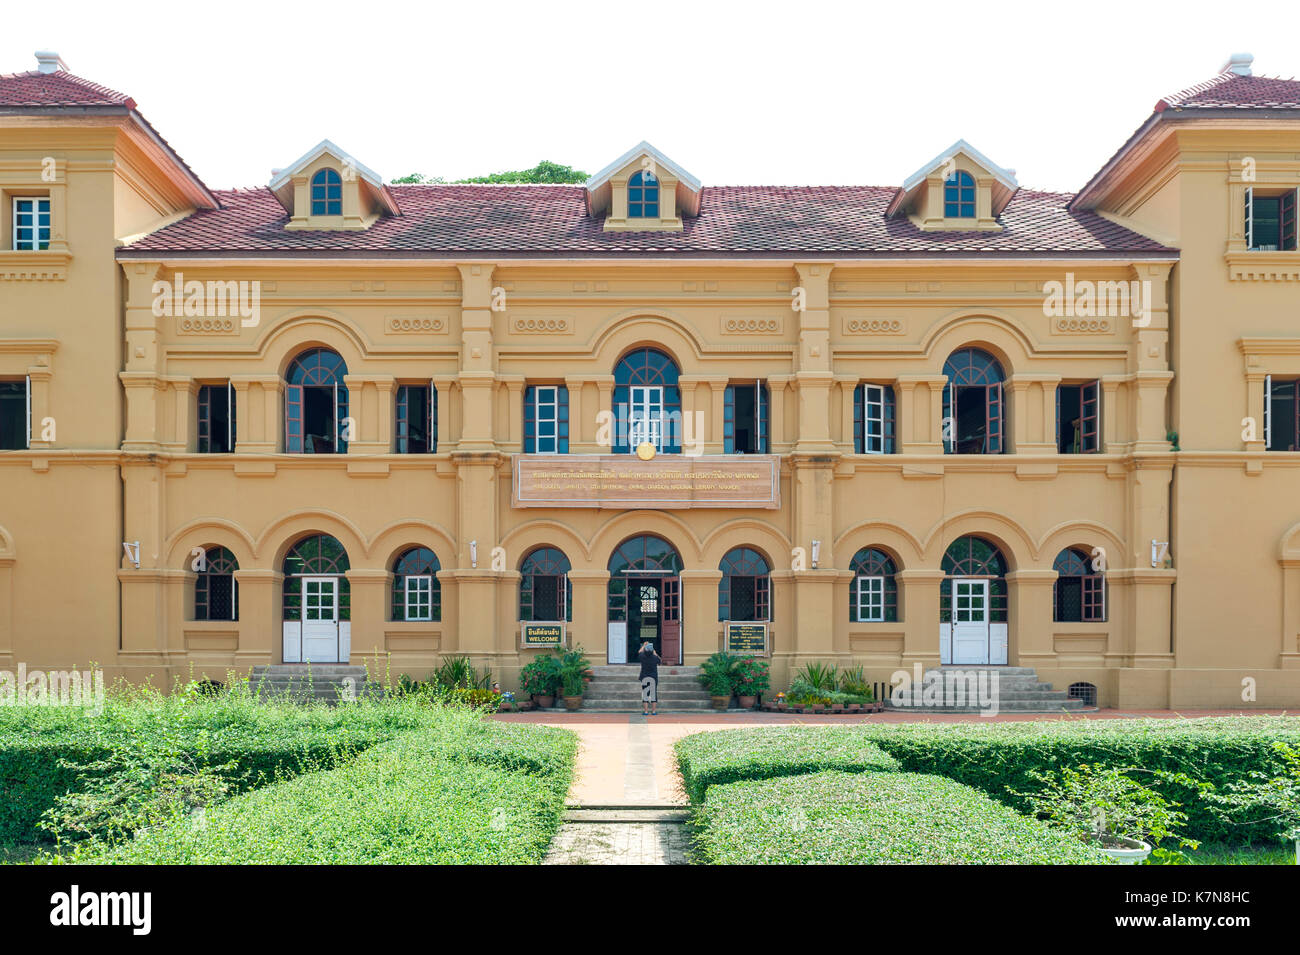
534	634
746	637
666	481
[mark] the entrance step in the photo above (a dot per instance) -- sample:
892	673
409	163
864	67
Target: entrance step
1018	691
329	682
617	689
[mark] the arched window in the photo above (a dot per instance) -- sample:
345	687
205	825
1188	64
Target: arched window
975	558
643	195
647	402
745	590
316	404
326	193
322	562
873	598
959	196
544	586
216	595
972	403
417	595
1080	589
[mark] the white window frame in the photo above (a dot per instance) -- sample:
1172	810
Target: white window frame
873	397
28	379
416	596
1250	217
1268	411
872	609
546	411
35	213
646	415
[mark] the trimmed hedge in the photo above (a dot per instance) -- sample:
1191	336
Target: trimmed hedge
265	741
998	757
728	756
839	818
492	794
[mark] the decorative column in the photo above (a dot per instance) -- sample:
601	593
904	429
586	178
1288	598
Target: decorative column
919	593
701	631
1029	608
588	627
261	616
370	608
920	414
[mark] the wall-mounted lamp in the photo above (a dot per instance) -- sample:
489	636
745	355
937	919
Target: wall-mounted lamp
473	553
816	553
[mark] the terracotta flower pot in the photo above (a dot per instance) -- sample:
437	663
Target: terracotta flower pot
543	702
573	702
720	702
747	702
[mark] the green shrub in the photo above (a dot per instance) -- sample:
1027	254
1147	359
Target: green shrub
49	752
753	676
726	756
541	676
871	819
718	673
818	676
470	792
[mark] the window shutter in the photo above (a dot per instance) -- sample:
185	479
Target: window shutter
887	441
1268	412
1289	206
230	416
729	420
1089	411
29	410
949	426
293	419
1250	217
432	431
859	420
760	402
993	439
562	419
336	417
1058	418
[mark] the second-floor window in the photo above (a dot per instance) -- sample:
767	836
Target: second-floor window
216	419
873	419
31	223
972	403
15	415
744	419
1271	220
316	404
1282	414
546	419
417	419
1078	421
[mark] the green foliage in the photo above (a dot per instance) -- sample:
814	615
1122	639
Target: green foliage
544	172
1265	800
185	738
726	756
1107	806
1000	758
459	672
475	698
818	676
574	684
870	819
466	791
418	179
540	676
854	682
718	668
752	676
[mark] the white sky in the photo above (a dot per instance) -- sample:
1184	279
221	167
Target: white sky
806	93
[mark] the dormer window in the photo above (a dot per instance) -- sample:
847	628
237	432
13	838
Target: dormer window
643	196
959	196
326	193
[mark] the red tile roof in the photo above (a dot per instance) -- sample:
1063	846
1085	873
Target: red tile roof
1231	91
553	221
37	89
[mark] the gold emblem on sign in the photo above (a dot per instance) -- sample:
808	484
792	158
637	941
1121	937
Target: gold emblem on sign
645	450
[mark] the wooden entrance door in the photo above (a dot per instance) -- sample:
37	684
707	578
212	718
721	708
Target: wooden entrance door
670	624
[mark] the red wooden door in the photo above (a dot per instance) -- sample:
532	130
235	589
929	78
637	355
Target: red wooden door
670	622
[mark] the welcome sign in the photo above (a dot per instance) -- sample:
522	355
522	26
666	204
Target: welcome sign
541	635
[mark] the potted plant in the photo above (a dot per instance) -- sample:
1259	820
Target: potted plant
540	678
752	680
720	691
574	682
1107	808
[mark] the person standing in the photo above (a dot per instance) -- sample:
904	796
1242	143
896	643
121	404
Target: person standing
649	661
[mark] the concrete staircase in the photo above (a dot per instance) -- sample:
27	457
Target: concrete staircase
617	689
1018	691
317	681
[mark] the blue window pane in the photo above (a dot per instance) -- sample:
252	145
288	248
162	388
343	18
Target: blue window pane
651	210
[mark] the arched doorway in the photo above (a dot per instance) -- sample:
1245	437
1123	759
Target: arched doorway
317	602
973	604
644	599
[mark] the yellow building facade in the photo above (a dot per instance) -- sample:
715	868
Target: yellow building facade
948	421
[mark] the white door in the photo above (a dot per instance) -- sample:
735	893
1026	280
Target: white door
970	620
320	620
645	418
